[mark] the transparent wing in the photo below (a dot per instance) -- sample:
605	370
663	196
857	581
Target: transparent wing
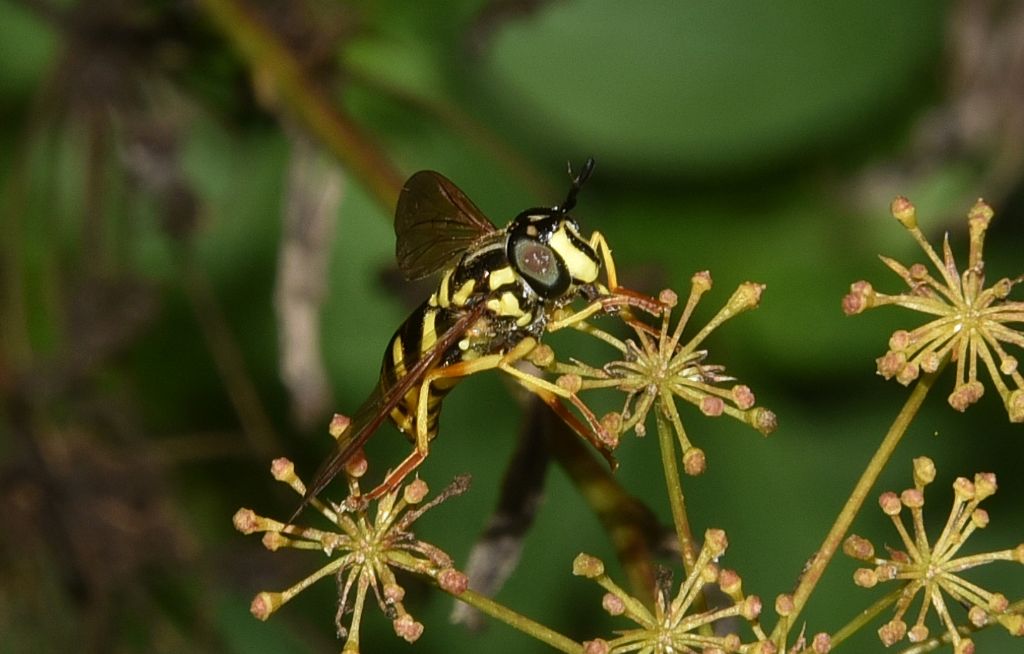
434	224
369	416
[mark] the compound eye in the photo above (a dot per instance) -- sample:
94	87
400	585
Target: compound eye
540	265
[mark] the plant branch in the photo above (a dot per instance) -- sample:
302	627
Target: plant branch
274	65
684	533
816	568
864	617
517	621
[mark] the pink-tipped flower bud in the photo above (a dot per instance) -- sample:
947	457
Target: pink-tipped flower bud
865	578
712	406
613	604
339	424
858	548
452	581
415	491
904	211
743	396
784	605
570	382
924	471
912	498
890	503
751	608
821	643
668	297
892	632
282	469
695	462
264	605
357	465
701	281
407	629
585	565
918	633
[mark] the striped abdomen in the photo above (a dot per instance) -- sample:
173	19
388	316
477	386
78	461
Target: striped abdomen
416	336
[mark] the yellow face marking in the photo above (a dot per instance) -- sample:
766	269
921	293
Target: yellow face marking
429	336
501	277
524	319
461	295
580	265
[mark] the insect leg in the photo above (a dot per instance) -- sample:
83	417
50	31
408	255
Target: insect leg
575	318
531	382
598	242
422	435
597	435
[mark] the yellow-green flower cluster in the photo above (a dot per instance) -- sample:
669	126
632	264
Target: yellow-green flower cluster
971	322
674	627
932	569
658	367
363	552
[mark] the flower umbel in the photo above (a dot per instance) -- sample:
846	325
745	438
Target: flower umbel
932	569
971	322
671	627
363	551
657	368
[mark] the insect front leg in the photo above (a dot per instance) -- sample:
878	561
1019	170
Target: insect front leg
598	242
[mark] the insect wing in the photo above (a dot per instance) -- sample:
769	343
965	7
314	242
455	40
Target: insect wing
378	406
434	223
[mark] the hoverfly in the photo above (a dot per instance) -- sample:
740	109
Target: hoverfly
500	290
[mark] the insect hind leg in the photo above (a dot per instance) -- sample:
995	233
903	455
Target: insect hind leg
422	432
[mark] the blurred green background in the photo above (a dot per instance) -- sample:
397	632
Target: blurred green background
195	276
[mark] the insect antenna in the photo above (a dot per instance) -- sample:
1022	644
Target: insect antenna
577	184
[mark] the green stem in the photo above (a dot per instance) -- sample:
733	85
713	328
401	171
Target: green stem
517	621
816	568
274	64
684	533
864	617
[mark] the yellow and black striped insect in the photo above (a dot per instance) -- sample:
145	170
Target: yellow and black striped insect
500	290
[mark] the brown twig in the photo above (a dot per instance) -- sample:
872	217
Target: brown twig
274	66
